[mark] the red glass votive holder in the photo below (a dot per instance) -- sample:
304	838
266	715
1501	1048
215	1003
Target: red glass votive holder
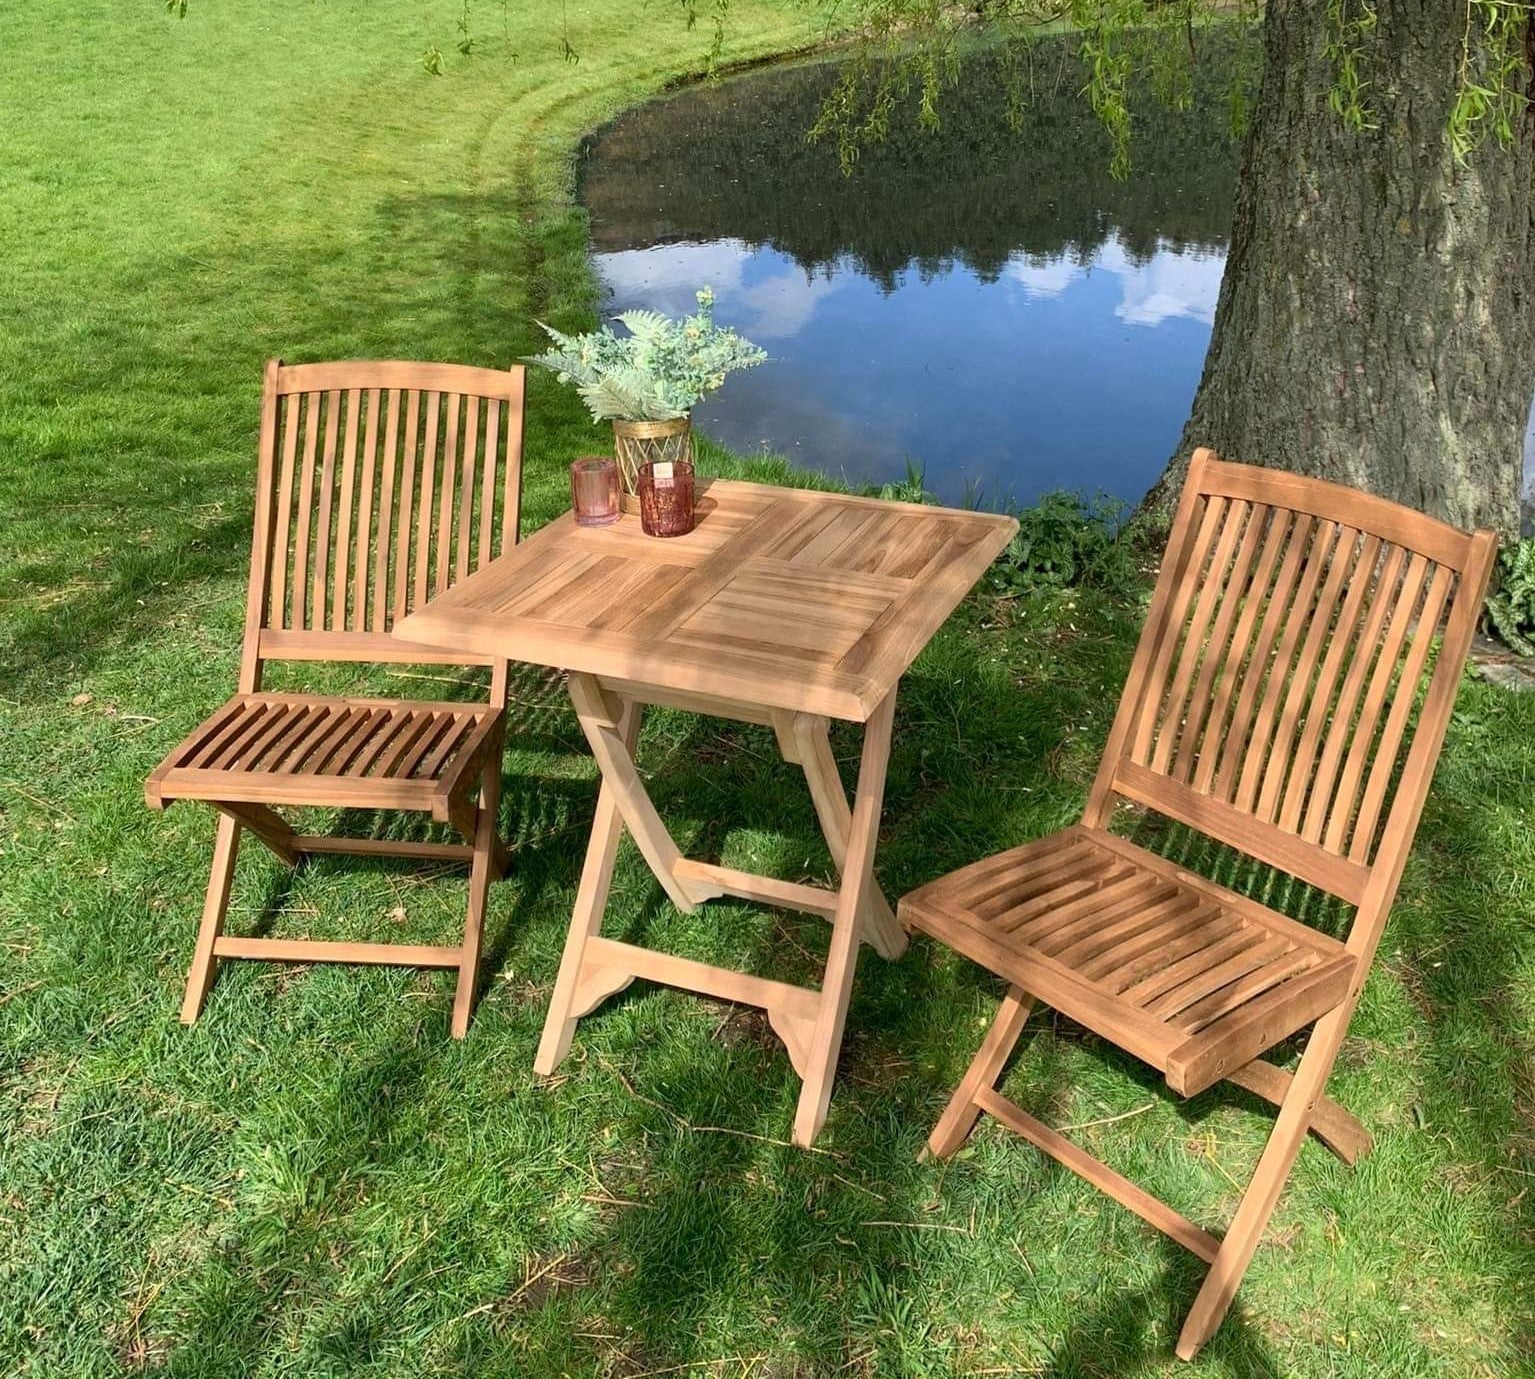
666	497
594	490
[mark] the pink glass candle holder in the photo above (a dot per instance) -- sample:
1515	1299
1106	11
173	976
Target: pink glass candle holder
666	497
594	490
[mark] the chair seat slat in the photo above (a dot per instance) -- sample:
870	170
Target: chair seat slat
442	727
1068	898
1218	972
315	737
316	759
1112	942
1184	930
447	746
1198	1014
1218	938
1117	888
303	725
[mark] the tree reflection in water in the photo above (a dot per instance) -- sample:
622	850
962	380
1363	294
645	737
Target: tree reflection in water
982	299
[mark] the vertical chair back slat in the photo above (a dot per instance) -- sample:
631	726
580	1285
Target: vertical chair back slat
1187	568
1361	579
1298	530
1279	672
1232	518
342	585
448	504
1278	686
285	490
424	499
1384	766
381	542
1384	660
1202	701
374	481
322	545
405	502
1274	530
467	488
488	498
1337	732
1304	689
366	486
298	608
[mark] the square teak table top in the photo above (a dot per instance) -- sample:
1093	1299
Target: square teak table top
788	598
787	607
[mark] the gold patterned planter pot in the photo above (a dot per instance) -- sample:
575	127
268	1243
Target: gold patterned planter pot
639	441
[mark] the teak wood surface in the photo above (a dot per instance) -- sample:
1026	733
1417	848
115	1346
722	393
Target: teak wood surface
784	607
378	484
1285	700
779	598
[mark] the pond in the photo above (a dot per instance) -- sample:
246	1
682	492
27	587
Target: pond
982	302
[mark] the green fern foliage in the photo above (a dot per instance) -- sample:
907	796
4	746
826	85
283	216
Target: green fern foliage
1511	606
658	370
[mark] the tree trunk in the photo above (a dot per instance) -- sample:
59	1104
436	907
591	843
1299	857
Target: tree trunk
1376	324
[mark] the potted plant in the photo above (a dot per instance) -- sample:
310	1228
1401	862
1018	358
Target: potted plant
647	381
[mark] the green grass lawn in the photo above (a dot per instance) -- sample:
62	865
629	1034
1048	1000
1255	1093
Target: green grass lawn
315	1180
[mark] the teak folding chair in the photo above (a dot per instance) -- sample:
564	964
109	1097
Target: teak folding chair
1277	704
378	485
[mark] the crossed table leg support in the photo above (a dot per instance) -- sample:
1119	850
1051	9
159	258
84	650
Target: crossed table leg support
593	968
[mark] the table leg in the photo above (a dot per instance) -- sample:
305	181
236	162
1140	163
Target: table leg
811	742
601	713
591	903
852	901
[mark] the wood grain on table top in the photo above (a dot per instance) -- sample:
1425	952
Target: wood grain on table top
787	598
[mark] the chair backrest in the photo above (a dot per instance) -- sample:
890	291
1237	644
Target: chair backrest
1277	699
378	485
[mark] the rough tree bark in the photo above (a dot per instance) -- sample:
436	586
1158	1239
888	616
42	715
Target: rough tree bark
1376	324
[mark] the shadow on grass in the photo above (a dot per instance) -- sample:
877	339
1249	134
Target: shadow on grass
838	1240
725	1240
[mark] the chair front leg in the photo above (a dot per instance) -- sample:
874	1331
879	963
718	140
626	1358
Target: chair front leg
485	865
1252	1214
962	1112
226	846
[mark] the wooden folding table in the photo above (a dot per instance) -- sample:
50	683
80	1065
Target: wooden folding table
785	607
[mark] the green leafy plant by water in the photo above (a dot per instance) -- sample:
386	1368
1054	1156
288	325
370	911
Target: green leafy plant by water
660	370
910	489
1068	539
1511	606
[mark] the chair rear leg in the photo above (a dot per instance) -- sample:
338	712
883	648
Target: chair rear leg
1240	1242
961	1114
226	845
486	865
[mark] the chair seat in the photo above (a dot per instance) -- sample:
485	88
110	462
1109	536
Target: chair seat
1185	974
297	749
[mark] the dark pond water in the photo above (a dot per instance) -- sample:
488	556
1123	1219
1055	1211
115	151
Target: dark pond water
983	302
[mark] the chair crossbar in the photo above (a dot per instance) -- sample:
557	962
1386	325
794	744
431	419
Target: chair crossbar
317	950
1123	1190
